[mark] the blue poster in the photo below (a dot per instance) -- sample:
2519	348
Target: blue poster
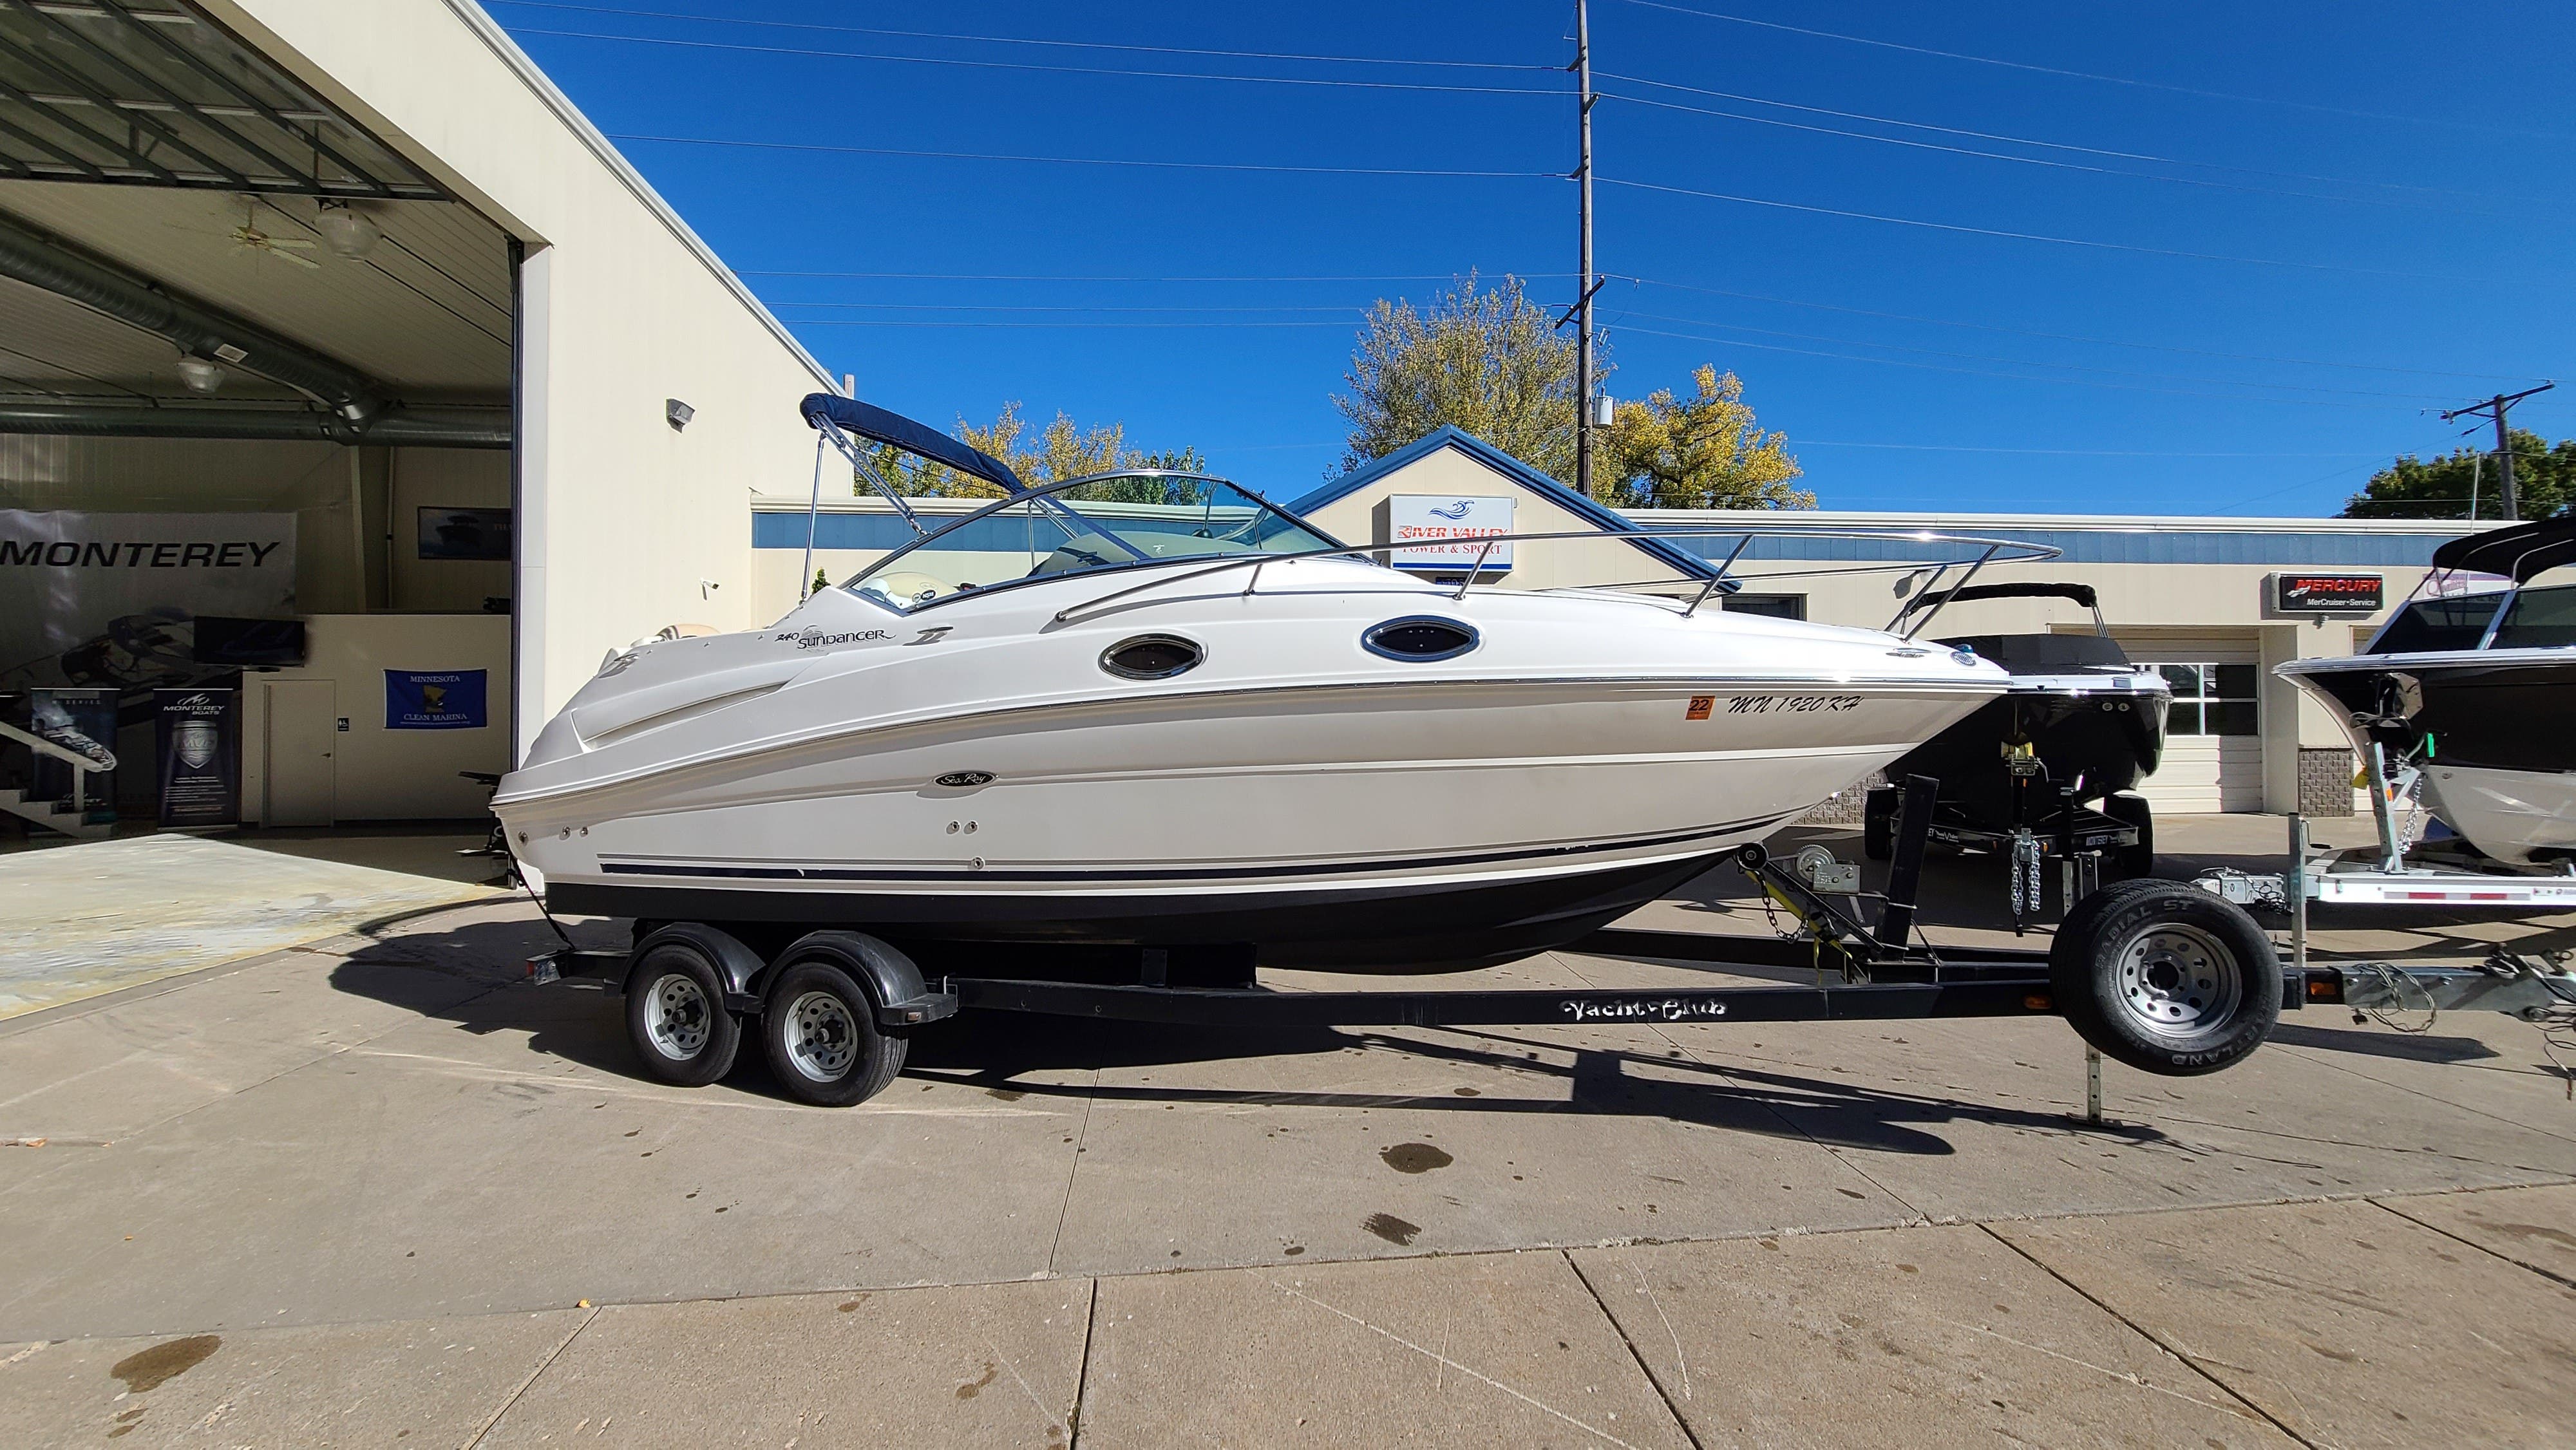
434	700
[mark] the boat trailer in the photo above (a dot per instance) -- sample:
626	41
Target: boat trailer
2391	872
2172	978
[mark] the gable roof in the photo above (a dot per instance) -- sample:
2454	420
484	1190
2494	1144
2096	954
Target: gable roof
1665	551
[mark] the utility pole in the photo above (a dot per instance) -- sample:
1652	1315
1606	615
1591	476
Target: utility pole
2496	408
1583	305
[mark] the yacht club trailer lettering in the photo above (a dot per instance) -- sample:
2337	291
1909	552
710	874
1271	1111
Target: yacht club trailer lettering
1646	1009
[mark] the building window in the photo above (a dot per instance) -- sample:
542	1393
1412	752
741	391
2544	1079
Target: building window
2210	699
1770	606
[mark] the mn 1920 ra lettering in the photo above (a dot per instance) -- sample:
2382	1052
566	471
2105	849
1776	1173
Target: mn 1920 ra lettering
1789	704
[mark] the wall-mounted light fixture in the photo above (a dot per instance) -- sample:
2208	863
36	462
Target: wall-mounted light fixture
678	413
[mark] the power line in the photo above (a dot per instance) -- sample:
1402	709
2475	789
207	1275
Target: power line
2071	337
1990	373
1018	65
1085	307
1024	40
2007	139
2081	75
2027	362
1067	277
2040	161
901	322
1246	279
816	146
2057	452
2020	236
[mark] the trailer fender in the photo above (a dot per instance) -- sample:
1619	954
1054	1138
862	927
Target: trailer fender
903	999
735	963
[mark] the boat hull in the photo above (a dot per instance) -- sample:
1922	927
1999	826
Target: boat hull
2502	728
1395	828
2084	730
980	774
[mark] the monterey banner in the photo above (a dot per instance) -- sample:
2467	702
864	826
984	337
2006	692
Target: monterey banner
197	737
111	599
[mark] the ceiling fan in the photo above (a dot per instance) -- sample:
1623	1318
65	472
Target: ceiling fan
250	238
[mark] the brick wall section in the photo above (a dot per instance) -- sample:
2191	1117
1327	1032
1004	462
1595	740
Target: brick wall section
1843	807
2325	782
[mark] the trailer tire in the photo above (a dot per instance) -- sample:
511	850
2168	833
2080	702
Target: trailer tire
675	1012
2131	809
1878	822
819	1028
2165	977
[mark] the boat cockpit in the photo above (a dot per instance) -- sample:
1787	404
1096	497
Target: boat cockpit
1119	520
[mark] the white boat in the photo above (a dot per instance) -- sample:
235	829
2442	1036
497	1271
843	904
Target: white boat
2473	684
1150	710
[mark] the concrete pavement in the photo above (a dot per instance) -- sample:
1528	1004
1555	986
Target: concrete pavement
373	1189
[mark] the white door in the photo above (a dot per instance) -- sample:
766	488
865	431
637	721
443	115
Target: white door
2213	758
303	731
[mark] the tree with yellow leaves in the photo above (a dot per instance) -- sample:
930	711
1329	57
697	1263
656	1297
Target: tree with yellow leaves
1062	449
1700	452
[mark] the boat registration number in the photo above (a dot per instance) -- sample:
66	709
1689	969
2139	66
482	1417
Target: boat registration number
1701	705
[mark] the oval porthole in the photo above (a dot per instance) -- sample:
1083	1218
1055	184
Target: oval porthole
1151	657
1423	637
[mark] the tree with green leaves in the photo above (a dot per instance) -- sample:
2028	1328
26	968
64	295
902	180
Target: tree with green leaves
1700	452
1487	362
2544	481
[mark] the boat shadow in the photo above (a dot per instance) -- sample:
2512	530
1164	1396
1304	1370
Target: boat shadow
1596	1082
473	977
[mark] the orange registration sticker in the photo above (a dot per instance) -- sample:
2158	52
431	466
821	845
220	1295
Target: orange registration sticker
1700	706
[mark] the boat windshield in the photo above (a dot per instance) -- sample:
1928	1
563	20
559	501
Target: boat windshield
1110	521
2534	619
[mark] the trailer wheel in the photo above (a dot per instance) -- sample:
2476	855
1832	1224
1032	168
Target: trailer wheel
675	1012
1878	822
2130	809
2165	977
820	1031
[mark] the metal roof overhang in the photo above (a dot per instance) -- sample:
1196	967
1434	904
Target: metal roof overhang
160	95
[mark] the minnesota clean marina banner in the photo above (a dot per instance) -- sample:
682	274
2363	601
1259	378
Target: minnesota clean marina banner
87	587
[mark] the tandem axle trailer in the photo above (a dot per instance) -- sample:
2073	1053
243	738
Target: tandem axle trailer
2160	975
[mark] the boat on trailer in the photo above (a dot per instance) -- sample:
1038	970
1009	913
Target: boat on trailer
1150	709
1104	746
2472	686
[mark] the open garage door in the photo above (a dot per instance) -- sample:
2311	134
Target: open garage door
2213	757
255	432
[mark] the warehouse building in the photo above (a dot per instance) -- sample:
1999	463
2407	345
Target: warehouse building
348	370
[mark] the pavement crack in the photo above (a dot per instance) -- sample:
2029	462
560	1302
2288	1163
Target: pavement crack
542	1366
2193	1362
1661	1392
1082	1371
1073	1169
2555	1278
1530	1400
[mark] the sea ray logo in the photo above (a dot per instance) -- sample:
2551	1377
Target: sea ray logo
1458	510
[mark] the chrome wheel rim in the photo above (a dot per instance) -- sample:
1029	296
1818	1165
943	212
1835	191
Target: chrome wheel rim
822	1036
677	1017
2178	981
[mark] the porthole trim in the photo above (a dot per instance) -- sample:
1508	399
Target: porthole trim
1370	638
1109	662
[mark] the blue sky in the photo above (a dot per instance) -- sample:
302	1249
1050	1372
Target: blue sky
2284	234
